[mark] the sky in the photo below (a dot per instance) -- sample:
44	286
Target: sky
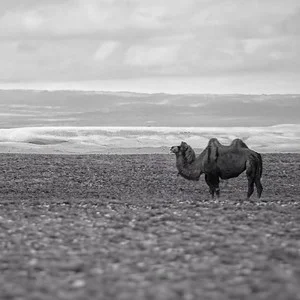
182	46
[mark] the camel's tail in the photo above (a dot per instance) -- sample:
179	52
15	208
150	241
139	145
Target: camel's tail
259	168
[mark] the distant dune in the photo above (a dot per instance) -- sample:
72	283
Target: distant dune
102	122
97	139
21	108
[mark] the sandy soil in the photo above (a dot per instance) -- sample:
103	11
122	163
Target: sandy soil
126	227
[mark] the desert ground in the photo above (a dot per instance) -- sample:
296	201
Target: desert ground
126	227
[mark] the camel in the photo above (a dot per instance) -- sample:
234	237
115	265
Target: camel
217	162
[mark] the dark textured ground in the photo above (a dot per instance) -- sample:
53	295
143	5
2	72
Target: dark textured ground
125	227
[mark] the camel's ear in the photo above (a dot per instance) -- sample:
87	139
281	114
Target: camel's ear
184	145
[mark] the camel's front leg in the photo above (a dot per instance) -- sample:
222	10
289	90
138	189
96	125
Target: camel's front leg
213	183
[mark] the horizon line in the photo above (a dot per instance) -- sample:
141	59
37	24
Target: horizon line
135	92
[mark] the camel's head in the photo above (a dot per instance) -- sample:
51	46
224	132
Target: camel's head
182	148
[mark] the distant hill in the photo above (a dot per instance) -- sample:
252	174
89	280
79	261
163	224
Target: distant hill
20	108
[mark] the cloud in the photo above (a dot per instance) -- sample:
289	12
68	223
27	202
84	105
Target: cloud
82	17
291	24
141	55
252	45
105	50
105	39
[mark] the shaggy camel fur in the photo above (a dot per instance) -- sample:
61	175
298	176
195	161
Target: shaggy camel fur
219	161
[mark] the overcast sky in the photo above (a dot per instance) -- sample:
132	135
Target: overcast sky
248	46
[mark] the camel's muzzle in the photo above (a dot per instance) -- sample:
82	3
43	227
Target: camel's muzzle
174	149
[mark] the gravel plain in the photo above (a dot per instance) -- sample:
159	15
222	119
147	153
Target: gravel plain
126	227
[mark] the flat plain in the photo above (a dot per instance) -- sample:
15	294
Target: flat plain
126	227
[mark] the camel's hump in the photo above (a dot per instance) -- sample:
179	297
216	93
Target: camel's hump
214	141
239	143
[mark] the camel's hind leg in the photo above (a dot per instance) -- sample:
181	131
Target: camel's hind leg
250	171
211	189
259	187
253	171
213	183
259	169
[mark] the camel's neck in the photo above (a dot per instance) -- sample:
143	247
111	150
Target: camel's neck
191	171
200	160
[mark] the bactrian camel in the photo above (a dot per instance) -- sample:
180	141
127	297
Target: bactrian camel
219	161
